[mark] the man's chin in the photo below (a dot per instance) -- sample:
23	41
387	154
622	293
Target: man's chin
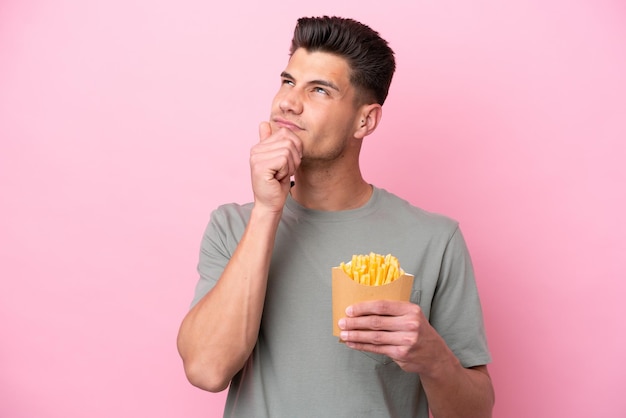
313	161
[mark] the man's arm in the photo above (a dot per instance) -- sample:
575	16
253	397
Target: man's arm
460	392
401	331
218	334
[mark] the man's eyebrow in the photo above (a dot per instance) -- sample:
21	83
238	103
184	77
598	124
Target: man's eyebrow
324	83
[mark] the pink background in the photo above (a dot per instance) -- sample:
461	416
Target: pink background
123	123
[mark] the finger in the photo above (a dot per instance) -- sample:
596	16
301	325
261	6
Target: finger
281	154
398	353
265	131
272	140
366	337
379	338
293	144
372	348
276	158
407	323
296	142
382	307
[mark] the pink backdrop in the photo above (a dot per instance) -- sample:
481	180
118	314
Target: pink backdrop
123	123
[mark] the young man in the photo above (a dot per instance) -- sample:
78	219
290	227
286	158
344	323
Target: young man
261	317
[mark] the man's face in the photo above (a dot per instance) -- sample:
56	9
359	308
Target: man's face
317	102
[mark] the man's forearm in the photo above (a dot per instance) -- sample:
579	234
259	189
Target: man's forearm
454	391
219	333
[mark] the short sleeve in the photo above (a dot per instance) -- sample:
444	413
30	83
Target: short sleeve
219	241
456	312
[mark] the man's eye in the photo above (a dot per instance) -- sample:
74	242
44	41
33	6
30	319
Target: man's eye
288	82
320	90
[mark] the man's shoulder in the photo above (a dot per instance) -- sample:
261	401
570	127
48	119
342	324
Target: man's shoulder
231	212
234	207
404	209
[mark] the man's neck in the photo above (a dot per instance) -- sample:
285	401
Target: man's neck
322	190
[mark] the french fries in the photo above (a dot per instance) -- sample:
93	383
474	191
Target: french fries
372	269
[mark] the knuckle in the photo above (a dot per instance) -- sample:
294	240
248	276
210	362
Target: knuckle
376	322
414	309
402	352
413	325
409	340
285	153
377	337
383	307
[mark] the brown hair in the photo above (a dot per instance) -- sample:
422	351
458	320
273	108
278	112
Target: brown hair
369	56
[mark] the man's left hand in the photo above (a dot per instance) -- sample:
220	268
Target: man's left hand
396	329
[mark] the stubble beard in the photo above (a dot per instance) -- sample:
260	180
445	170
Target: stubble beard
312	160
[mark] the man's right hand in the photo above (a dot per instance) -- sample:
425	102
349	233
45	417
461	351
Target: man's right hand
214	351
273	160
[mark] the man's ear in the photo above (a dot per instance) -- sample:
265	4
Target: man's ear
367	123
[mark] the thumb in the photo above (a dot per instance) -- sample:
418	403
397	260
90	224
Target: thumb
265	130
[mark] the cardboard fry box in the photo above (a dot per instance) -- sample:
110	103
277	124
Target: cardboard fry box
346	291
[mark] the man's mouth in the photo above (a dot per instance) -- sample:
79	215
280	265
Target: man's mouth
284	123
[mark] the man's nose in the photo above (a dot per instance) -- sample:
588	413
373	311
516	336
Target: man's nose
291	101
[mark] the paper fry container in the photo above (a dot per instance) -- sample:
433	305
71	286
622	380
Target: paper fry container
346	292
